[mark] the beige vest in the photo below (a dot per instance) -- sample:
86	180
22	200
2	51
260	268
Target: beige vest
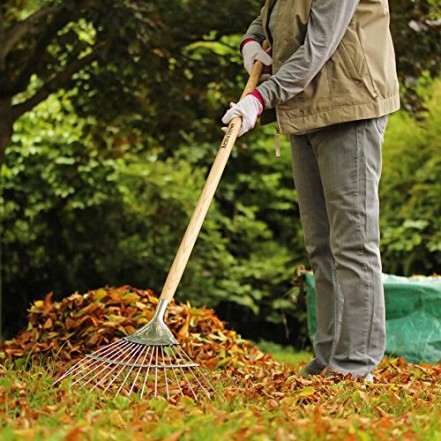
359	81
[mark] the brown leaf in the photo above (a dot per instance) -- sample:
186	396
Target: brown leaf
75	434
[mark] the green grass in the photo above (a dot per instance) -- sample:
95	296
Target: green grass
284	354
406	405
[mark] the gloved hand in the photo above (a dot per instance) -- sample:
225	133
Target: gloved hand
251	52
249	108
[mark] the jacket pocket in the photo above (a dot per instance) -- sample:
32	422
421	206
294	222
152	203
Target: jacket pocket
349	66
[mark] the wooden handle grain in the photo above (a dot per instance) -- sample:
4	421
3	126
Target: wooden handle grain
203	204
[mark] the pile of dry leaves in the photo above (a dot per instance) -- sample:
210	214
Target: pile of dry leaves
80	324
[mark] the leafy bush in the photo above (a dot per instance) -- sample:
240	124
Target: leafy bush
411	191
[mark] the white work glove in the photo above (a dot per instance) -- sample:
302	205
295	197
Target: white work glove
251	52
248	108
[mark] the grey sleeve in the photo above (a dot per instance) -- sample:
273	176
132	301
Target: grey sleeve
255	30
327	24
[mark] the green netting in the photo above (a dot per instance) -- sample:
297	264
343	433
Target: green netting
413	316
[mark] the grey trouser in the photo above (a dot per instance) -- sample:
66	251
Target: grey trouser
336	173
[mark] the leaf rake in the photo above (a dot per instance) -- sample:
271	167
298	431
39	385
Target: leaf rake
150	361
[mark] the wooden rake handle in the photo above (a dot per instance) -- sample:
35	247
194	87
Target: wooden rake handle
203	204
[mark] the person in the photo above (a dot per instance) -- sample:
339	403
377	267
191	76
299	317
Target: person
333	85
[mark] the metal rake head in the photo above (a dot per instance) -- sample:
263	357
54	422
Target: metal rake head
148	360
125	367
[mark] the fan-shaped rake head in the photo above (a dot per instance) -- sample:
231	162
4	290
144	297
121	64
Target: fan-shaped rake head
124	367
149	361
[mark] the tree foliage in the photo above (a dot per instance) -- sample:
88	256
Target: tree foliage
416	27
129	60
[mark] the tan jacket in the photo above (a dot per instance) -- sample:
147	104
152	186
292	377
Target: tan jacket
359	81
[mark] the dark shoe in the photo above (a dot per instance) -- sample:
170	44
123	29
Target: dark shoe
314	367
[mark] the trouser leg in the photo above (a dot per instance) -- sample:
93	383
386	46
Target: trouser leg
348	161
316	235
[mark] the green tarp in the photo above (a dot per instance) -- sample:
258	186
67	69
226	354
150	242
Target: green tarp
413	316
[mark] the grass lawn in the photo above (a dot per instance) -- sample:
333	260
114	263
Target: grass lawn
257	396
249	404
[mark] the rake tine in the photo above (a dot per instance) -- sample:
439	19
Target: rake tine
140	368
189	384
207	393
186	358
176	377
156	372
148	370
91	361
98	363
124	357
210	387
105	349
183	374
68	372
165	373
137	353
183	355
82	361
97	375
73	368
112	380
107	364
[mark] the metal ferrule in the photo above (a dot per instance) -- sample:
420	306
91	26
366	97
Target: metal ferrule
160	310
155	332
